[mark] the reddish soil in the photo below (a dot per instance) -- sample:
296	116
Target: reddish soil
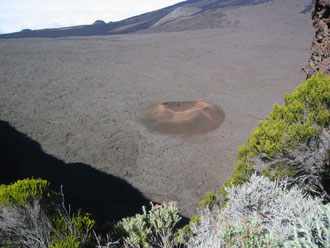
183	118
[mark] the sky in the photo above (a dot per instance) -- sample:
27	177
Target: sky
16	15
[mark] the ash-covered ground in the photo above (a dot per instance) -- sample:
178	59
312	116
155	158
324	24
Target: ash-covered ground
80	98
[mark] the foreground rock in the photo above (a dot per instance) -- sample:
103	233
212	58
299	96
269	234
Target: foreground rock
320	48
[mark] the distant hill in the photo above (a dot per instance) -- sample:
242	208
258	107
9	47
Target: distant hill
188	15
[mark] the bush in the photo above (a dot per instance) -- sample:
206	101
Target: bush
184	234
67	242
210	199
72	230
153	228
304	112
259	213
24	226
312	231
304	115
249	233
24	191
31	215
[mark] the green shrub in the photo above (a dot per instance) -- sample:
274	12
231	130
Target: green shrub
23	191
210	198
74	229
303	115
153	228
67	242
31	215
281	171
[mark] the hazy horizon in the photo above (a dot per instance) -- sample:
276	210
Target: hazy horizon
16	15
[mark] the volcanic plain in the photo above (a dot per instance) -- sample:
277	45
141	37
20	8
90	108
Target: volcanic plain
81	98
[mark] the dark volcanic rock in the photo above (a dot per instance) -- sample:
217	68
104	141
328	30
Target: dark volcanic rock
26	30
320	48
99	22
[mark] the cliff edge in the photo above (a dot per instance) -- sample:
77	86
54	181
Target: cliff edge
320	48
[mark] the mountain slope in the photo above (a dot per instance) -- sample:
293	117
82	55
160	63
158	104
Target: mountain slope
188	15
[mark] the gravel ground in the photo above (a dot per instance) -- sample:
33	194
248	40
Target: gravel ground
80	98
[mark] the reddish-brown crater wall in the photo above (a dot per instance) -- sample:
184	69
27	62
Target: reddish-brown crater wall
183	118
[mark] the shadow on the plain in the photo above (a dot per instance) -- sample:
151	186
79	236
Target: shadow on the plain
106	197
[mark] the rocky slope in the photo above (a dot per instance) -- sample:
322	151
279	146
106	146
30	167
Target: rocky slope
320	48
188	15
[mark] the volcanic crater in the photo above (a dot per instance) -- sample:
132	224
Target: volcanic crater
183	118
